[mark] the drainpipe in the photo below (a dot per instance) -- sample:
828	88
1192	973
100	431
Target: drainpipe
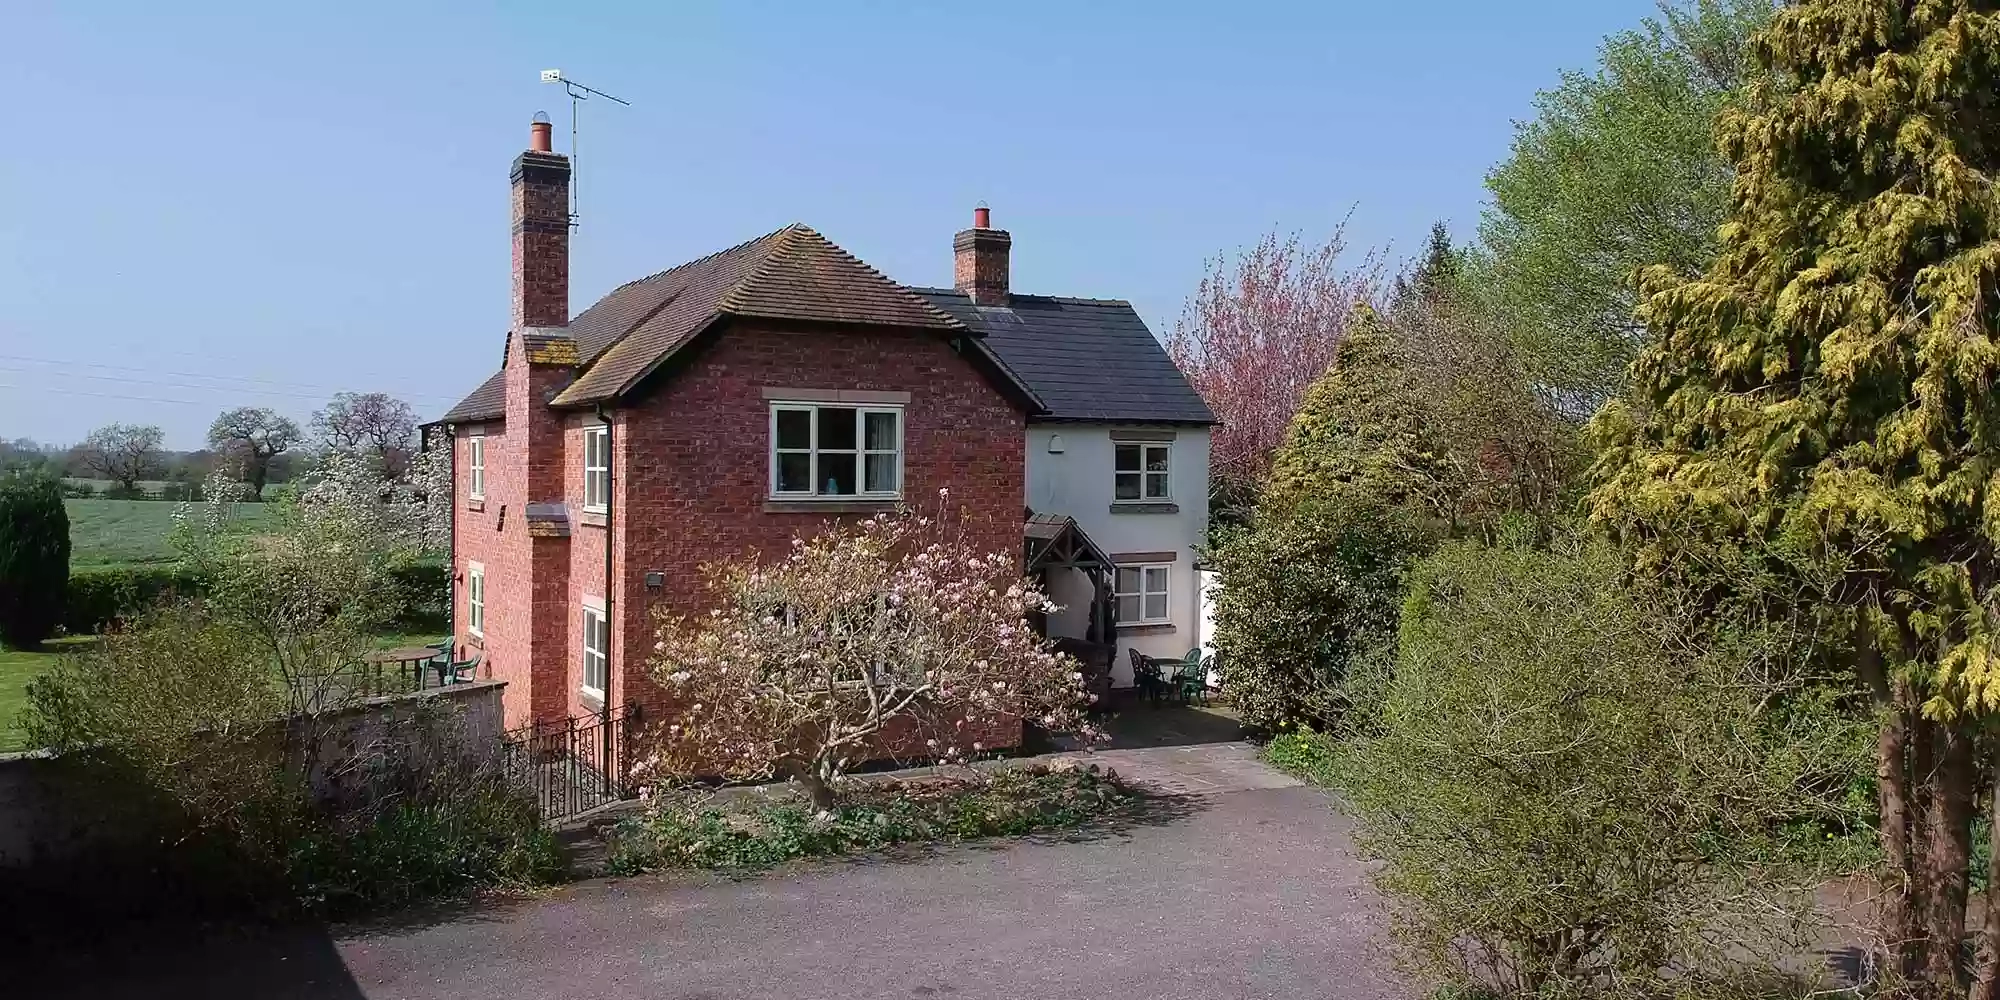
610	535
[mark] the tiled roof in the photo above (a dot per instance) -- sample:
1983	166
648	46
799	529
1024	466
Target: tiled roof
1088	359
488	402
794	273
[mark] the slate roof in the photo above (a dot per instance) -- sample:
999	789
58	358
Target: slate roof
1088	359
488	402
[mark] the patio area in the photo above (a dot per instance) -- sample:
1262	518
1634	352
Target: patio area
1135	722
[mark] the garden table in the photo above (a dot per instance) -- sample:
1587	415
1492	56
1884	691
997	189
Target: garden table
410	658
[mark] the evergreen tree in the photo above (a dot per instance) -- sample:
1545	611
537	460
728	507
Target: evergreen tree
1438	274
1358	433
1823	398
34	558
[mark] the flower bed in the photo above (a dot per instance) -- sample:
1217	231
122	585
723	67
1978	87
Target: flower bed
748	834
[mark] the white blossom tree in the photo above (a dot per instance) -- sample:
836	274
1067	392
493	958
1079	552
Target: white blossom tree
894	628
315	579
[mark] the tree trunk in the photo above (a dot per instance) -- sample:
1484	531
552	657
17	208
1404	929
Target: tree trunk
817	785
1893	789
1946	857
1986	976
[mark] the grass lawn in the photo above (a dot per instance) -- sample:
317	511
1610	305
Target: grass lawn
17	668
125	532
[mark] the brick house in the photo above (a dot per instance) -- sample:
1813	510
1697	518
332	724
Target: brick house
723	407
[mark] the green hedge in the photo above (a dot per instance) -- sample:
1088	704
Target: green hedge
101	596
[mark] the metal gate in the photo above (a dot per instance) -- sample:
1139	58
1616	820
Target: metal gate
574	765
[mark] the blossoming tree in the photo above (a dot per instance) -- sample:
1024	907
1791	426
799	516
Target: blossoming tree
313	580
894	627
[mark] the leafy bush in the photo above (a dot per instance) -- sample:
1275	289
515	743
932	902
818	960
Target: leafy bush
424	593
1564	792
1011	802
100	597
462	832
34	558
1306	619
216	724
180	723
1306	753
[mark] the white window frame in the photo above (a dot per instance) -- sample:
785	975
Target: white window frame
475	460
475	599
861	451
596	468
593	610
1145	472
1165	592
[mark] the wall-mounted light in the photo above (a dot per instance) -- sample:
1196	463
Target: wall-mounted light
1055	444
655	579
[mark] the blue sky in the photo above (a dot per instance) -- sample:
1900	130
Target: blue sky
210	205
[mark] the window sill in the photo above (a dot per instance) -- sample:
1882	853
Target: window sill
1158	628
598	518
475	503
831	506
1138	507
591	700
475	639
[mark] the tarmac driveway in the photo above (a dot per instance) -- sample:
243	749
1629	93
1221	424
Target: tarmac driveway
1244	890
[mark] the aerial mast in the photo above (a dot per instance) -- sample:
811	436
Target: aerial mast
578	93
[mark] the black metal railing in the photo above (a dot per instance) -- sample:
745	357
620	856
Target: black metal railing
574	765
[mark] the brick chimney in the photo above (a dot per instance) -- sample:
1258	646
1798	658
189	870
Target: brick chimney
980	269
541	232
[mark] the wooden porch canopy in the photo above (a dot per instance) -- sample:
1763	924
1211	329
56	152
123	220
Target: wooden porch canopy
1054	541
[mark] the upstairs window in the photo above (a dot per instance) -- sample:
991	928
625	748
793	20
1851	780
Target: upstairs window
1139	472
475	458
596	468
836	451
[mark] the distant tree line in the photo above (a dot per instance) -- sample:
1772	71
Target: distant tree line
256	445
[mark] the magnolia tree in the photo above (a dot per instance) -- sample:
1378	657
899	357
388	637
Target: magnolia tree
895	627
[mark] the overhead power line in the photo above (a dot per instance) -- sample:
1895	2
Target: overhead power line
249	380
105	395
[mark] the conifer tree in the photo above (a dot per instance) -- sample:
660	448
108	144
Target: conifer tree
1358	431
1824	397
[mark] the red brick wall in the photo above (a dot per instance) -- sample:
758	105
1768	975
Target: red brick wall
693	464
540	209
479	535
690	467
588	537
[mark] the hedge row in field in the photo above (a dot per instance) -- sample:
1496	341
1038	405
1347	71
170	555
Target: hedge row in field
102	596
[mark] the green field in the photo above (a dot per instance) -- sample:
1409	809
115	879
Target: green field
125	532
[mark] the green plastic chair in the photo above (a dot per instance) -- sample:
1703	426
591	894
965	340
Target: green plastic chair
1191	679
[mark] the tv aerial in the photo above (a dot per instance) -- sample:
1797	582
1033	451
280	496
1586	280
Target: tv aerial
578	93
